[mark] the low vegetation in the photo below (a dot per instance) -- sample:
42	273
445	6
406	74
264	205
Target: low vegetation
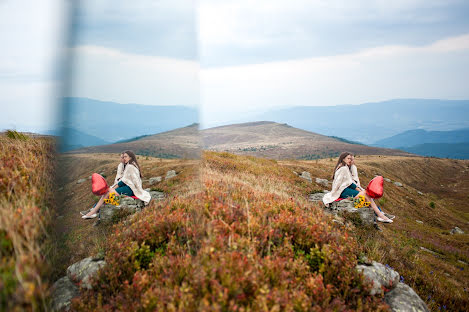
26	188
247	240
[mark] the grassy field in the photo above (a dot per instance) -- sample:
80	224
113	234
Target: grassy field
26	205
440	277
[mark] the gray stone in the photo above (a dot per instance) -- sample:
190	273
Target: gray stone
157	195
380	275
81	181
325	191
429	251
61	188
418	221
420	193
170	174
323	182
306	175
83	271
366	214
387	179
63	291
317	197
456	230
403	298
155	180
296	173
399	184
89	178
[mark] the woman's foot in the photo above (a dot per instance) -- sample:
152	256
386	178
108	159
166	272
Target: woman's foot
384	220
94	215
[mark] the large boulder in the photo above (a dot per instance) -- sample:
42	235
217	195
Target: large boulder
83	271
63	291
404	298
381	276
366	215
155	195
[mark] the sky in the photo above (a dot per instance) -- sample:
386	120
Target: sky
232	58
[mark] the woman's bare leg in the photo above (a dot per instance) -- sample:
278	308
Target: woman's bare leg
373	205
101	201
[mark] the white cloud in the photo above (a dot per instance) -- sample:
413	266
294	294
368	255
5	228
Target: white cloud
438	70
111	75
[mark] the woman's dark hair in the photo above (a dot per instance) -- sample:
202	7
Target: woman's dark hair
340	162
133	161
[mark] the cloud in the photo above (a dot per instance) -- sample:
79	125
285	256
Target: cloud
437	70
112	75
240	32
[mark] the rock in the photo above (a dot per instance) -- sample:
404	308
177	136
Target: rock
317	197
170	174
399	184
83	271
306	175
456	230
387	179
81	181
429	251
380	275
157	195
404	298
323	182
366	215
462	262
420	193
325	191
89	178
296	173
61	188
63	291
129	204
157	179
418	221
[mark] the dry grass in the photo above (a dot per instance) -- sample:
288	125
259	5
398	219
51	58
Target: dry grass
77	238
26	187
440	279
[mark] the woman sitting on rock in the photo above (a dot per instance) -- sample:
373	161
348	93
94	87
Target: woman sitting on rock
345	186
128	182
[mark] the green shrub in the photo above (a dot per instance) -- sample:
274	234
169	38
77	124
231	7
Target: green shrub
15	135
432	204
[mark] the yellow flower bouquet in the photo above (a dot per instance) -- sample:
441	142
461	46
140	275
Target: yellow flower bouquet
360	202
113	199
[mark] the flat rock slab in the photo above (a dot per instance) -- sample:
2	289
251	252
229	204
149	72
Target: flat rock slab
63	291
154	180
404	298
81	272
380	275
157	195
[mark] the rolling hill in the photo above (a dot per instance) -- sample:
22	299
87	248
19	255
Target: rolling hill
179	143
281	141
420	136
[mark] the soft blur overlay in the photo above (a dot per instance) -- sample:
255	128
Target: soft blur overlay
31	34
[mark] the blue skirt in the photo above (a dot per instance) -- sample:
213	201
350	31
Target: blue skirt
350	191
124	189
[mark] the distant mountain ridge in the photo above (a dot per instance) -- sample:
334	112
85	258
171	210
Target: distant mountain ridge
371	122
420	136
112	122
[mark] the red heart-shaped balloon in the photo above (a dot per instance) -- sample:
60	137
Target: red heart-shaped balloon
98	184
375	187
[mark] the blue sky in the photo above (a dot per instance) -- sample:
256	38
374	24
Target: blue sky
233	58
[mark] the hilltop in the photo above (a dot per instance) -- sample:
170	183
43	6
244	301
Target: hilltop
281	141
179	143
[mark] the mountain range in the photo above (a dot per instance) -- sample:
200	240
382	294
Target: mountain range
112	122
371	122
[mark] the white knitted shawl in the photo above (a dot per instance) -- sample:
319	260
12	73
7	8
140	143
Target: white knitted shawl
131	177
342	179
